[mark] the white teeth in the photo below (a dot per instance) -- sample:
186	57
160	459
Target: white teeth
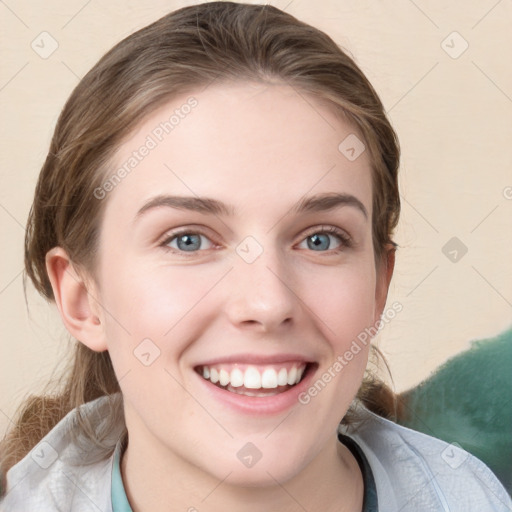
292	376
269	379
223	378
253	378
237	378
300	372
282	377
245	392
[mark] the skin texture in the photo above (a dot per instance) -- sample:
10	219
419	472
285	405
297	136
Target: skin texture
260	149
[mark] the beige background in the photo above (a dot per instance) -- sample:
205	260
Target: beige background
452	111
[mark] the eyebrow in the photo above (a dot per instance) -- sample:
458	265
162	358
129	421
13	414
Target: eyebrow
316	203
329	201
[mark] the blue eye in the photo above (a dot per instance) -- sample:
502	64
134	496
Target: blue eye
320	240
187	241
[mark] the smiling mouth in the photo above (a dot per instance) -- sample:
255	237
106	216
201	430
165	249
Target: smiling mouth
254	380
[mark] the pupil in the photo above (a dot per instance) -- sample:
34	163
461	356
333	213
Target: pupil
317	242
189	242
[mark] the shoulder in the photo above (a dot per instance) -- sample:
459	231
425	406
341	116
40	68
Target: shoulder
414	471
65	471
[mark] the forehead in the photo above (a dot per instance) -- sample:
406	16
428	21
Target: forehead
245	144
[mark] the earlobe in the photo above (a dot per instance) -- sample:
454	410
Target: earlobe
77	305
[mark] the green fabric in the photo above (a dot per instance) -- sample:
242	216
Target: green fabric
468	401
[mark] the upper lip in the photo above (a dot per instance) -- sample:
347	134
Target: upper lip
257	359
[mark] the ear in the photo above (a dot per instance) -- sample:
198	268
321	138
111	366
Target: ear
75	300
384	275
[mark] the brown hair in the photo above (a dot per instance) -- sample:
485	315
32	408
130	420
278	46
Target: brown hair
185	49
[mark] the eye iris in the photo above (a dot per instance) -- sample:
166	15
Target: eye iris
315	241
189	242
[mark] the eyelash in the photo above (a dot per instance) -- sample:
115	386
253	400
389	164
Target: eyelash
345	240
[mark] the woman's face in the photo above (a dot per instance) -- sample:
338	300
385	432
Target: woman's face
238	247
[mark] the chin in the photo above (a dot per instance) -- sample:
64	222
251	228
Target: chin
259	469
263	475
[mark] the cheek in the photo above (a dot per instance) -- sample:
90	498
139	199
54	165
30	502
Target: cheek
148	327
150	302
344	302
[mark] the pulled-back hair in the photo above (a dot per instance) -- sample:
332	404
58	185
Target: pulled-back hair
185	50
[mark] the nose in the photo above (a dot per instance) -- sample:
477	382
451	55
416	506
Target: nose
261	294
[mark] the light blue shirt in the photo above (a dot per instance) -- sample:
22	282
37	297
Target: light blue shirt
413	472
119	500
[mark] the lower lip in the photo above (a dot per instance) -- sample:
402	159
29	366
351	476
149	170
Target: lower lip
259	405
